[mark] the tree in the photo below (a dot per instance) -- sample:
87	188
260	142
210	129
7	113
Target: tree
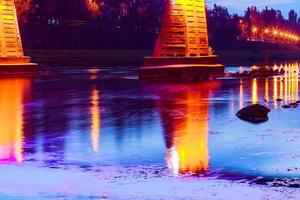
293	17
24	8
255	22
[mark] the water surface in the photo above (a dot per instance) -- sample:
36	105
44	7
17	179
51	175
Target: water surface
66	129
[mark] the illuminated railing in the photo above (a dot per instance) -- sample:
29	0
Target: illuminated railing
271	34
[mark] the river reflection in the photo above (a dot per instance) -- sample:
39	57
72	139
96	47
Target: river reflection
13	93
186	128
277	90
184	113
95	112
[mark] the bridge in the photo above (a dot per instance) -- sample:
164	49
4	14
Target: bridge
11	50
181	51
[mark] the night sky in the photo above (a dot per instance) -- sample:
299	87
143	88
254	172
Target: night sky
238	6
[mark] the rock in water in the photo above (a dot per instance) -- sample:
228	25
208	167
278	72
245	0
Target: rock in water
255	113
291	105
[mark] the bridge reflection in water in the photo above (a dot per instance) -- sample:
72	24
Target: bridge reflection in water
184	112
95	118
278	90
13	93
57	122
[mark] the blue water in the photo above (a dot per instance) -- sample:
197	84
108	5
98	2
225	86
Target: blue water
88	119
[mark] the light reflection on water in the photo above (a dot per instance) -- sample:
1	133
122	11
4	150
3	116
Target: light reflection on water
285	88
96	119
187	128
13	93
186	132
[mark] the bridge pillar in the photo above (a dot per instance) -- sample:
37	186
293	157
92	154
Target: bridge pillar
182	49
12	58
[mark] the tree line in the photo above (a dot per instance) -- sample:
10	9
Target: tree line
265	25
146	15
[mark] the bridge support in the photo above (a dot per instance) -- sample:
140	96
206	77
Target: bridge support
12	59
182	51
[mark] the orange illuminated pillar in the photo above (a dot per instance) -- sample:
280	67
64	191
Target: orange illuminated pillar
184	30
10	39
182	49
11	51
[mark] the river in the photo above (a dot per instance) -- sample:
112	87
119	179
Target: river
104	134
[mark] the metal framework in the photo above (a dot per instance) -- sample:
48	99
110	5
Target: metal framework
184	30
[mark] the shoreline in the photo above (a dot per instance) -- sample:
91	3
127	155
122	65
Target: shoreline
121	58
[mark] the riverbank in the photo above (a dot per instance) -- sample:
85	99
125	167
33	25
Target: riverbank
103	58
87	58
248	58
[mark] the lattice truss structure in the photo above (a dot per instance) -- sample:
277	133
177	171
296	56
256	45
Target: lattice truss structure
10	39
184	30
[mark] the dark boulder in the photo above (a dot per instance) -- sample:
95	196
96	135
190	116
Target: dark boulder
291	105
255	113
294	105
286	106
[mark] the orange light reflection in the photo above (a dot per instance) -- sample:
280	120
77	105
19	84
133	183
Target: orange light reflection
241	94
95	126
254	91
187	135
12	92
285	87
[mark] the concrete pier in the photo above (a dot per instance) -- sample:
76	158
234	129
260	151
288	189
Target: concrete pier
181	68
182	51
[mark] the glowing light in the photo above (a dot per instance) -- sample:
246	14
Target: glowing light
277	35
95	126
187	142
267	89
281	88
292	77
285	88
254	30
11	117
190	23
275	90
241	99
254	91
10	40
266	30
254	67
94	7
192	145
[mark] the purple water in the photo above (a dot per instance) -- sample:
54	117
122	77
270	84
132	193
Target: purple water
104	134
